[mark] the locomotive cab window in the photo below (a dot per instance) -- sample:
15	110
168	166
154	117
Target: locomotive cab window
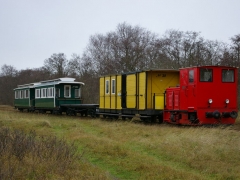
191	75
206	75
227	75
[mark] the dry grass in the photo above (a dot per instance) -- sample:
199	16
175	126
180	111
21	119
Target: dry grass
34	157
118	149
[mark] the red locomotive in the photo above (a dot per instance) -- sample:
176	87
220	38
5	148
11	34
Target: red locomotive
205	95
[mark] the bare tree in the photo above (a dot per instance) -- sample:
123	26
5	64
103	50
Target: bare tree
213	52
26	76
172	48
235	56
123	50
190	49
90	77
56	65
8	70
235	47
74	66
8	81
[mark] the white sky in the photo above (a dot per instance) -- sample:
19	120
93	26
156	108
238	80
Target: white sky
32	30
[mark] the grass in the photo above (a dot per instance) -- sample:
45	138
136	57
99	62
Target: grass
126	150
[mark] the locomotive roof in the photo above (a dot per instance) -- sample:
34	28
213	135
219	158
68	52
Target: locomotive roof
50	82
209	66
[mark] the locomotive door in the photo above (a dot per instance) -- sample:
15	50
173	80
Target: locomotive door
191	89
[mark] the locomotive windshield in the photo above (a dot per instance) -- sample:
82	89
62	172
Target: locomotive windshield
227	75
206	75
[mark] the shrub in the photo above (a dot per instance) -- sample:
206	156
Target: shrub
28	156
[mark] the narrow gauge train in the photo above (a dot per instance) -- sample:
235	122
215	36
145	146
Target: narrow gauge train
189	96
56	96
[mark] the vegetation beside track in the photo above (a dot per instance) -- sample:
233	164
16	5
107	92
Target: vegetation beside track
104	149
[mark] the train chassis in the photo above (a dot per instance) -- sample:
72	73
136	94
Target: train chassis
69	109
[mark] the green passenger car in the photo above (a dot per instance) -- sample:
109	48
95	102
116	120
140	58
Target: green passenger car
24	96
48	95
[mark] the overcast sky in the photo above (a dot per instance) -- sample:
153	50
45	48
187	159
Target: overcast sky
32	30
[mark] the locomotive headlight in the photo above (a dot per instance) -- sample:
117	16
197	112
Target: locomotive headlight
227	101
210	101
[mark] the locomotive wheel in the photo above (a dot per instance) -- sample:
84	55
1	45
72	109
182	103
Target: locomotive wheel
234	114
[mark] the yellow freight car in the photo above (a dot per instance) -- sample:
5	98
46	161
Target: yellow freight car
139	93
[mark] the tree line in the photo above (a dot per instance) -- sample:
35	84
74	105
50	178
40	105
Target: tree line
127	49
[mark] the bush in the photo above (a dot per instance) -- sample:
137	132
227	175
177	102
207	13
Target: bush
28	156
